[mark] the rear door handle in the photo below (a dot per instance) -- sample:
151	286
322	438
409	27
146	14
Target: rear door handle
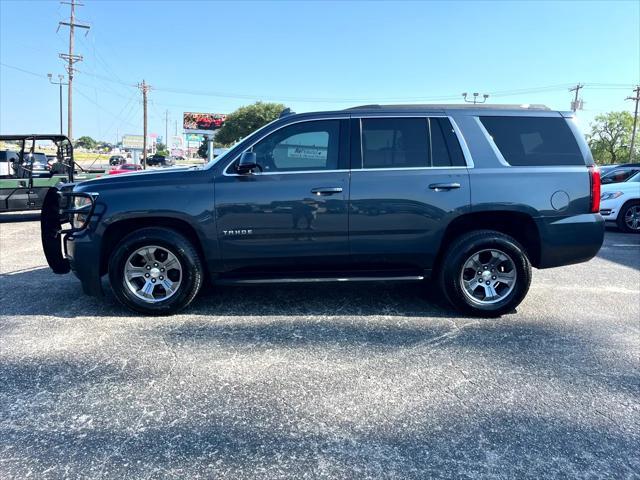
326	190
441	187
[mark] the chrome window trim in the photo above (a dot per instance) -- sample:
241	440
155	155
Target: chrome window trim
466	153
258	174
461	140
492	144
303	120
407	168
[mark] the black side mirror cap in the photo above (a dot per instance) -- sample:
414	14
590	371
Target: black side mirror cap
248	161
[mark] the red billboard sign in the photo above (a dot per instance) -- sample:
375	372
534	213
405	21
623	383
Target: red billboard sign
202	121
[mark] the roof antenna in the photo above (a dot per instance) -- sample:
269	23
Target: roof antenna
286	112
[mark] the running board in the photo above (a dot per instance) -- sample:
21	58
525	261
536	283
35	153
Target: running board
246	281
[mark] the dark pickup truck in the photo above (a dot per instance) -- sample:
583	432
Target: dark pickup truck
469	196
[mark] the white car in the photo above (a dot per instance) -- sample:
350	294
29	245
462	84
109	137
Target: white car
620	203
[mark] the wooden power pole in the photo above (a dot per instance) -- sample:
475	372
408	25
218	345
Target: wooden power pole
577	103
166	130
71	58
635	121
144	87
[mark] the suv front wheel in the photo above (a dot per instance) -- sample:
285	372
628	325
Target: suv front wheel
485	273
155	271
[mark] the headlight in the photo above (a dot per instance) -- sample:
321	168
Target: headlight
610	195
79	219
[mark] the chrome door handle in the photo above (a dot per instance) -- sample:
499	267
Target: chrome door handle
441	187
326	190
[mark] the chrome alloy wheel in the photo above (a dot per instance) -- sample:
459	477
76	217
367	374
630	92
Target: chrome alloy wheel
153	273
632	217
488	276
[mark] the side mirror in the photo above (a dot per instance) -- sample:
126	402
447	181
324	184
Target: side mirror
248	161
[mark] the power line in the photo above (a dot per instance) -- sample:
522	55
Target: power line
636	99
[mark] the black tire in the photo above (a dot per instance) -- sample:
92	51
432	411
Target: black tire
462	249
191	276
620	221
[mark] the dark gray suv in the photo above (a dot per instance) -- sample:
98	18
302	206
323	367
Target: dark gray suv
469	197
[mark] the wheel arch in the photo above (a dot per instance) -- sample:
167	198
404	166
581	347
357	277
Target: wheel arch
116	231
518	225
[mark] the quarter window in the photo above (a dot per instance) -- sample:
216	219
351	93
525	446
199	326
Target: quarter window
301	146
534	141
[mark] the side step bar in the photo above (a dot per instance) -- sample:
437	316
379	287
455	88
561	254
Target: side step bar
247	281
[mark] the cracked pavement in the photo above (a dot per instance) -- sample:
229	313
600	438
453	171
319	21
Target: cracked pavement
320	381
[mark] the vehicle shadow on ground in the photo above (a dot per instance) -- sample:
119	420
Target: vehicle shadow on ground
621	248
64	299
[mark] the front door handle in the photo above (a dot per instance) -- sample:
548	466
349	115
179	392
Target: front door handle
326	190
441	187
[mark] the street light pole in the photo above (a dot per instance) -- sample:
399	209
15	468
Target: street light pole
60	83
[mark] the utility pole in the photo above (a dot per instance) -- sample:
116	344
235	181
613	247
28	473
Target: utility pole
144	87
635	121
475	98
166	129
71	59
60	83
576	104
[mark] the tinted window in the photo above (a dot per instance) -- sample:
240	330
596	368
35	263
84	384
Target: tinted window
445	148
534	141
395	142
301	146
621	175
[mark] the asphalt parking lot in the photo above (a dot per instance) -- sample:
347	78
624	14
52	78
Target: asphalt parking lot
320	381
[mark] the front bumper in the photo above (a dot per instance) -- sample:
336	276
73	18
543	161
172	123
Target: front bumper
83	253
569	240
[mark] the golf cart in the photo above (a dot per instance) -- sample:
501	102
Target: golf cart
26	175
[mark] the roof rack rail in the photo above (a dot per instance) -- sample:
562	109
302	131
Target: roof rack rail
453	106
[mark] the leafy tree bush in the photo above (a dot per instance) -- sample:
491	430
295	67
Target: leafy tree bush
610	138
247	120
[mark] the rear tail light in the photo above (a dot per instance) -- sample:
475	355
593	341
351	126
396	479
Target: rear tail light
594	178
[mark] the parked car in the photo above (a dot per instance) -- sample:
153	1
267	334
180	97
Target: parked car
159	160
604	169
620	203
125	168
620	173
461	195
116	160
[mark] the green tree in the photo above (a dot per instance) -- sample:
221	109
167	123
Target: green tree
610	138
247	120
161	149
86	142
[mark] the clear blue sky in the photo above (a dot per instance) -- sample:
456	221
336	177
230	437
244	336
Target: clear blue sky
310	56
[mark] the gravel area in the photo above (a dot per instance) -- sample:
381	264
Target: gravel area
320	381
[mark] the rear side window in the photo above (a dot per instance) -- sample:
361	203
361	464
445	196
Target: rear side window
534	141
395	142
445	148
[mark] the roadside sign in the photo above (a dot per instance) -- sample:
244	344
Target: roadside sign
133	141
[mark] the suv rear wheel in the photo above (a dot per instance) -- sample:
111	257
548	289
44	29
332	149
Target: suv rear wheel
485	273
155	271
